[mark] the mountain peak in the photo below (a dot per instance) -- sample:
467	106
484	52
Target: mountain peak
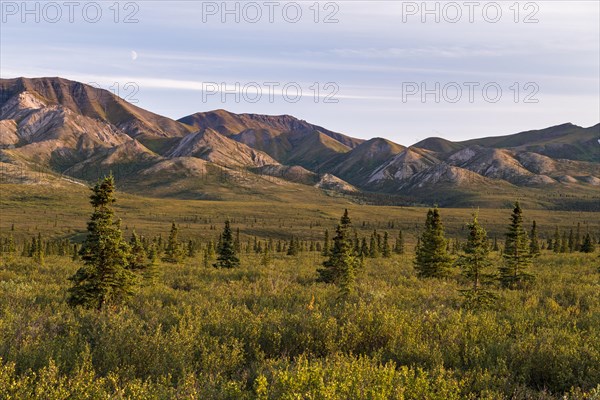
75	129
211	146
438	145
93	103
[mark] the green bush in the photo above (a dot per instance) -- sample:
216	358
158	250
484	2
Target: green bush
272	332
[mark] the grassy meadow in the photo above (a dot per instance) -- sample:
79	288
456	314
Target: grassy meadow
268	330
59	212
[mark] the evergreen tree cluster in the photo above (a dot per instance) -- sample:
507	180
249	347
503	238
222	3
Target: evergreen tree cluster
344	262
513	273
475	264
431	257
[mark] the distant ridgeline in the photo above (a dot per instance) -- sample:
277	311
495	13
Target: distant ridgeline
53	127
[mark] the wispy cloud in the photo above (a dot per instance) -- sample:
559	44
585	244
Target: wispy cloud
370	53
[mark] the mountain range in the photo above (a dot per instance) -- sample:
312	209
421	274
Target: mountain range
77	133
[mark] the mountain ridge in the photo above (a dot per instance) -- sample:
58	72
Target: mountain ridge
77	130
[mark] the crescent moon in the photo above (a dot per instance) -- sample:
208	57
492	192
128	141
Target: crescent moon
134	55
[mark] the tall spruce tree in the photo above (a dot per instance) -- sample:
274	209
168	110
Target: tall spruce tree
517	258
432	259
340	268
571	242
534	243
386	250
226	255
373	247
474	263
399	246
104	279
556	245
173	250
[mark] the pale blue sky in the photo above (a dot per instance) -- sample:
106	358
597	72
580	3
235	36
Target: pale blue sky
375	54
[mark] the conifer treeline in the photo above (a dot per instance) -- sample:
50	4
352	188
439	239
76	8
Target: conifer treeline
175	249
434	260
370	246
114	266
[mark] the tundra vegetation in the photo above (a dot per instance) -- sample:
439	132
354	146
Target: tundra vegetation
361	312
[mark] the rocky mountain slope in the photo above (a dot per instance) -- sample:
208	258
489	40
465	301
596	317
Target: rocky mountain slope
289	140
75	130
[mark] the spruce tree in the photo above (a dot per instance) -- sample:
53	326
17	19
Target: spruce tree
364	248
32	247
571	242
191	249
104	279
9	247
517	258
75	255
293	248
340	268
373	247
578	238
152	252
265	259
588	244
432	259
399	246
38	255
210	248
226	255
173	250
386	251
534	244
326	244
26	247
474	263
564	244
556	245
138	259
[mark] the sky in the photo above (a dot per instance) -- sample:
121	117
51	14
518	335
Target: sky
401	70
